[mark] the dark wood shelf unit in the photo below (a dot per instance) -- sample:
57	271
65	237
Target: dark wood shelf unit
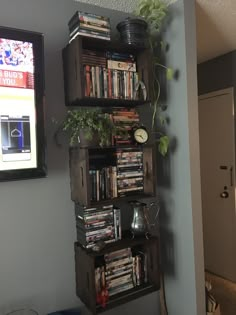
80	180
74	73
98	159
85	272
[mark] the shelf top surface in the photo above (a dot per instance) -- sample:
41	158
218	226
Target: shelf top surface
113	44
123	243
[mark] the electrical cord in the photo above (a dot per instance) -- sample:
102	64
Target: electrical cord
28	310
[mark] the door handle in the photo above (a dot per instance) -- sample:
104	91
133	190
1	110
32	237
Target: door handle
224	194
231	176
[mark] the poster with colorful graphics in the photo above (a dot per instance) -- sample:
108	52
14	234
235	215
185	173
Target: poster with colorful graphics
17	106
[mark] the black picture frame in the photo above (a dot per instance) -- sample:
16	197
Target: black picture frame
37	40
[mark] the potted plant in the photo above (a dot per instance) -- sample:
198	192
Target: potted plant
153	12
89	127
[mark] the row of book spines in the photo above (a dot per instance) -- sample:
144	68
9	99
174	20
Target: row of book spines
108	83
103	183
89	17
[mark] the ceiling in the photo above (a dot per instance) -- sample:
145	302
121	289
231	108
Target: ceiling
216	28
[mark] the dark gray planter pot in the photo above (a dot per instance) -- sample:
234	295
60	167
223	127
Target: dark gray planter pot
85	142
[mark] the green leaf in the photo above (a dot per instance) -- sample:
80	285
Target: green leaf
163	145
169	73
162	120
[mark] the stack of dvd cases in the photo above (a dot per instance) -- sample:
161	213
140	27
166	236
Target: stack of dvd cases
90	25
129	171
119	271
97	224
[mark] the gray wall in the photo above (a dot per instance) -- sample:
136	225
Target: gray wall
179	183
37	227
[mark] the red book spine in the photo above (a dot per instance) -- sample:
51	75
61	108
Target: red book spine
88	85
109	83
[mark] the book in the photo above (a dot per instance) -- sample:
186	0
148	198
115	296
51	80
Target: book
94	27
95	31
121	65
121	288
88	34
126	57
89	17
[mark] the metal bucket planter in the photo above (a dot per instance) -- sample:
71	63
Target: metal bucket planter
133	31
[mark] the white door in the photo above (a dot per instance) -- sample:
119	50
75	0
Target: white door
217	157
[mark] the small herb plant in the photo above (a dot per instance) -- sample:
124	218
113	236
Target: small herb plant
154	13
92	122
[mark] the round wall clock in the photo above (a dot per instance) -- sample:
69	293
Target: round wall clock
140	135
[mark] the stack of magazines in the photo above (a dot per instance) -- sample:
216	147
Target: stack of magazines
88	24
97	224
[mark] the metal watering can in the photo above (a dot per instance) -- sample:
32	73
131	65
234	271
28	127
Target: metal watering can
141	222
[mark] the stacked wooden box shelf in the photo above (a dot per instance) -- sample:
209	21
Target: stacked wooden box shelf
74	73
85	272
81	159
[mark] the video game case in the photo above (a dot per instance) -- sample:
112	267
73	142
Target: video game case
93	213
123	57
119	262
87	212
99	231
117	269
130	174
127	164
113	283
122	288
90	241
119	273
92	227
117	223
116	255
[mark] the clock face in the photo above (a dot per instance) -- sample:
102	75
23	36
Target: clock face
141	135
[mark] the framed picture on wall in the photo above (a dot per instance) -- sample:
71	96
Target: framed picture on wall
22	135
